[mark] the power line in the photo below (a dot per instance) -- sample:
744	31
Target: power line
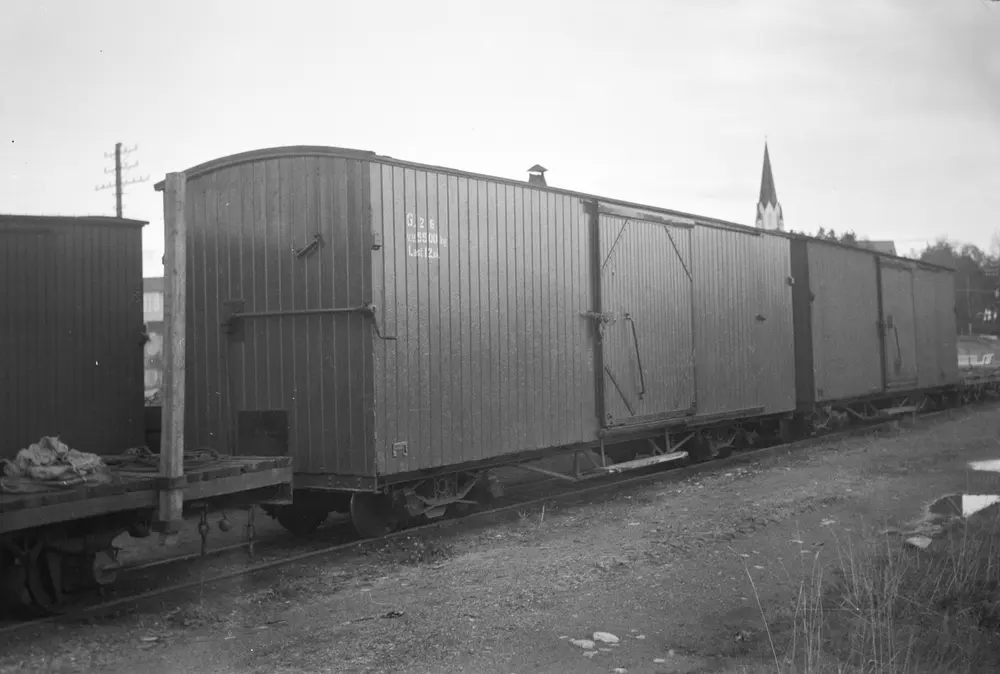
119	171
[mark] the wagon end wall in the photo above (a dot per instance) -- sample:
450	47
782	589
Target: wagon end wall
284	243
71	344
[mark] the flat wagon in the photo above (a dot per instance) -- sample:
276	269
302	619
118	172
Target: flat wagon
71	357
398	328
872	330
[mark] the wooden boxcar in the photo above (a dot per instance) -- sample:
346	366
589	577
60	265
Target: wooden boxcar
72	333
871	328
385	323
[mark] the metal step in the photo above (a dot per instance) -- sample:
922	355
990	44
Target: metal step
643	463
896	411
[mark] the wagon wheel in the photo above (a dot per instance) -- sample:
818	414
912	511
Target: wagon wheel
301	521
372	515
14	592
721	450
37	581
699	449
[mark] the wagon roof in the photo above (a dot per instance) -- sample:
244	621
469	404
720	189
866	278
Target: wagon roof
827	242
323	151
346	153
9	219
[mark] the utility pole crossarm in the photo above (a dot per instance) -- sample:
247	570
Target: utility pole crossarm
119	170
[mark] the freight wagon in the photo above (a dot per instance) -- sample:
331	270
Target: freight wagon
71	354
398	329
872	331
401	329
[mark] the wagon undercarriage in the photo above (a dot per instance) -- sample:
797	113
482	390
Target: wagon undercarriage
378	510
54	543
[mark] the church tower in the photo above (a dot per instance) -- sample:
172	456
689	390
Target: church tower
769	213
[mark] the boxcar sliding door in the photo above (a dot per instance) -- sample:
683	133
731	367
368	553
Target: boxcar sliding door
645	318
898	324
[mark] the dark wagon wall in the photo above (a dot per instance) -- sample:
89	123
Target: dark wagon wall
868	323
839	302
71	354
281	231
485	287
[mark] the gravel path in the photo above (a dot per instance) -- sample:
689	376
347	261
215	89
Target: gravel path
665	568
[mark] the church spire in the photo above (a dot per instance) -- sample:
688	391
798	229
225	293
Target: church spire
769	211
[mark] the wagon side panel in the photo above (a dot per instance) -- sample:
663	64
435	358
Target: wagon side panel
930	370
774	343
646	303
485	287
805	376
899	323
846	345
947	333
725	300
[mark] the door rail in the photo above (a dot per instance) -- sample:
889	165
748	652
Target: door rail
367	309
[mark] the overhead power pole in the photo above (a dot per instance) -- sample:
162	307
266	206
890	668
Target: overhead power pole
119	171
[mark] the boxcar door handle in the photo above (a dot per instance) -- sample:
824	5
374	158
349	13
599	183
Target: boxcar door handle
316	242
638	356
370	310
898	363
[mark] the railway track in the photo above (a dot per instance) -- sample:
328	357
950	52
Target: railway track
177	574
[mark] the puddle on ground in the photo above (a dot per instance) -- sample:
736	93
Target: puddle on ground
956	506
962	505
993	465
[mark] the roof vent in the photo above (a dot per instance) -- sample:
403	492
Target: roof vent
536	175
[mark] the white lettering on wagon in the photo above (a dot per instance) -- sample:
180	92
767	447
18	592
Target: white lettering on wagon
422	238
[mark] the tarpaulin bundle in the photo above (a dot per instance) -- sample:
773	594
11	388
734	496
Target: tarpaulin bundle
52	463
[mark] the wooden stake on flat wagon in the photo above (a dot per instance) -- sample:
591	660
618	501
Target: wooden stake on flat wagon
171	502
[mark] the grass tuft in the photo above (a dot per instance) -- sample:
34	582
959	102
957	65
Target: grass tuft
882	605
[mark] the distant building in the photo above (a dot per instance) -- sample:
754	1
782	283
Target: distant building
152	311
769	212
886	247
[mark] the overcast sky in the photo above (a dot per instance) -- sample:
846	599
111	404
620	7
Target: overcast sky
882	116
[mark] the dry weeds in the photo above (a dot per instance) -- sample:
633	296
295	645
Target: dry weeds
885	606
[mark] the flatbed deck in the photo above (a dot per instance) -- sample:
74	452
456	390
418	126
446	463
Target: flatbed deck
130	490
